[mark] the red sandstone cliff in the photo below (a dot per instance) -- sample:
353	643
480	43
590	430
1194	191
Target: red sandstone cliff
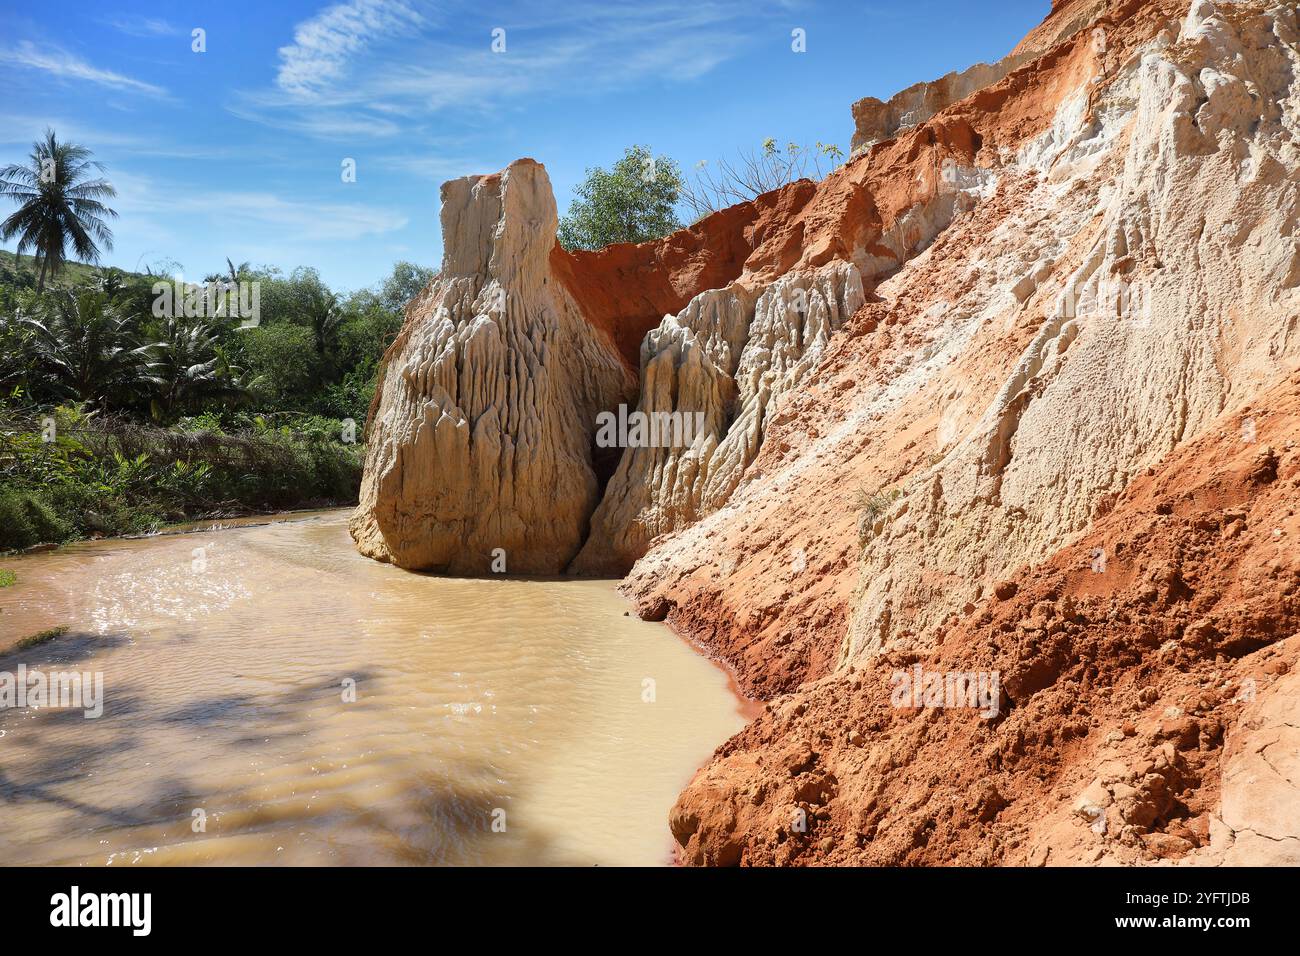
1047	311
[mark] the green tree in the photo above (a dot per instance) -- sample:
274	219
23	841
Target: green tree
111	282
58	205
222	288
16	356
364	335
236	273
292	298
85	347
632	202
406	282
283	361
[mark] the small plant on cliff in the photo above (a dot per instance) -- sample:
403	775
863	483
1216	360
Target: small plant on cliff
876	505
631	202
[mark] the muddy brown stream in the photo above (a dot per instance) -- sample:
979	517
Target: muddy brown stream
270	696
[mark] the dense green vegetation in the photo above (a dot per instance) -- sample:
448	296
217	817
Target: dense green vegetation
128	400
116	420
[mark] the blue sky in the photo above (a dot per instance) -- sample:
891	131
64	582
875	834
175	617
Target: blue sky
237	151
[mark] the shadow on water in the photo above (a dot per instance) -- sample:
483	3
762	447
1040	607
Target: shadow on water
237	710
70	770
62	651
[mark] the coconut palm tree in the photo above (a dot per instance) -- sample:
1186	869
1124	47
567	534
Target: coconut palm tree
15	354
325	312
58	205
111	282
188	368
223	287
84	345
237	272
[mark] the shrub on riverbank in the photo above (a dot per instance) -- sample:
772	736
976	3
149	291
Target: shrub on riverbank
27	519
65	475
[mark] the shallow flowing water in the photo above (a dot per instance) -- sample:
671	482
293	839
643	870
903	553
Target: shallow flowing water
495	721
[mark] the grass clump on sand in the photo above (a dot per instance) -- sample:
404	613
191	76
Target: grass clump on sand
876	505
42	637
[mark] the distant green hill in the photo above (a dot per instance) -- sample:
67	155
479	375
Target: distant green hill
71	274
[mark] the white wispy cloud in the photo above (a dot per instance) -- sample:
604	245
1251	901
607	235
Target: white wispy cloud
298	221
138	26
21	129
436	168
323	45
380	67
314	220
61	63
323	124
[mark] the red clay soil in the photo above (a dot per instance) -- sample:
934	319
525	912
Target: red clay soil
626	289
774	638
1199	597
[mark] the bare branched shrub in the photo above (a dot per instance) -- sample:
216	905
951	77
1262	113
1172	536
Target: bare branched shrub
755	172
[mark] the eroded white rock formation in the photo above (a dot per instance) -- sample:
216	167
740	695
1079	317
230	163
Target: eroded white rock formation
480	446
731	356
